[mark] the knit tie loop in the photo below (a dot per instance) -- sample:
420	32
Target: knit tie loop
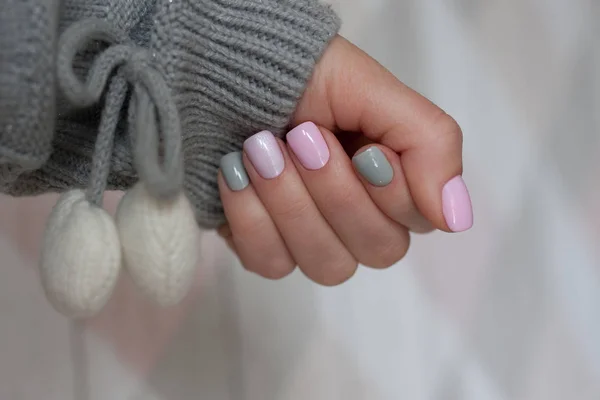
152	109
155	235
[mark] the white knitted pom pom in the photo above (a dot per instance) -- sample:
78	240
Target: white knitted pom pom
160	241
81	256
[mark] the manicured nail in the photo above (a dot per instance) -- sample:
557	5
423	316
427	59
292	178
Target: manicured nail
373	165
457	207
234	172
264	153
308	144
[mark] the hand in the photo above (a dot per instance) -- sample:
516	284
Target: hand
307	206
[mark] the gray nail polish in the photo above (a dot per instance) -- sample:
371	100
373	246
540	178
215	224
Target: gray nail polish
374	167
234	172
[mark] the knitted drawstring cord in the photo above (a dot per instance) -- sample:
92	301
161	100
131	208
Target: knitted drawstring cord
150	93
155	235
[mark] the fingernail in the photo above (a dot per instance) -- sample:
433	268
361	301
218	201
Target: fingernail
457	206
264	153
373	165
234	172
308	144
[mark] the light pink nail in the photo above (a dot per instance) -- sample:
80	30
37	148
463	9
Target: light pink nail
265	154
457	207
308	144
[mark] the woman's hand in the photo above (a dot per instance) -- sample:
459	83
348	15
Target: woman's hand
306	203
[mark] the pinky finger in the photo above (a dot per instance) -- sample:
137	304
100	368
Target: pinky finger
254	237
224	232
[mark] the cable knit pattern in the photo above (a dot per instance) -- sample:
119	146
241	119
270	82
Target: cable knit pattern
234	67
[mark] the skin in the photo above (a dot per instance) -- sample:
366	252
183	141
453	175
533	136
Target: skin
328	221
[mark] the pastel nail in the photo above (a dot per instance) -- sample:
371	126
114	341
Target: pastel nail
234	172
264	153
373	165
457	207
308	144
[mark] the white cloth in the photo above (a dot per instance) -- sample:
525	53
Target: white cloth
510	310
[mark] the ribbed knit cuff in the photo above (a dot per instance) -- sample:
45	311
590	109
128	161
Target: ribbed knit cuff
251	57
235	67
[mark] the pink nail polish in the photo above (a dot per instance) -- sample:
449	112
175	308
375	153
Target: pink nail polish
457	207
265	154
308	144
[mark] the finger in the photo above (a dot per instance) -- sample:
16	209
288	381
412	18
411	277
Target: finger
381	173
364	97
372	238
381	167
314	245
225	232
254	236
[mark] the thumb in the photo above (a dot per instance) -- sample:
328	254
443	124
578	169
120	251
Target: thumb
362	96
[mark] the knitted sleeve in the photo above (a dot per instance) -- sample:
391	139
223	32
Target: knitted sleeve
28	31
231	68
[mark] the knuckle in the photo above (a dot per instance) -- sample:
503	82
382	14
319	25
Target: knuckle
341	198
292	211
272	263
446	130
422	229
330	271
404	206
250	227
247	267
389	252
277	269
336	273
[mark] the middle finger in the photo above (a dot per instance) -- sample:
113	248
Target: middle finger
319	252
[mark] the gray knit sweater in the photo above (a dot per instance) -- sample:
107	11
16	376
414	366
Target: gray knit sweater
100	93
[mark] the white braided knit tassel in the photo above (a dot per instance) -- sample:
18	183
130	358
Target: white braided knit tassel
81	256
160	240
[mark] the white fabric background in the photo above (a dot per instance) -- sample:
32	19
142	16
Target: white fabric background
510	310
